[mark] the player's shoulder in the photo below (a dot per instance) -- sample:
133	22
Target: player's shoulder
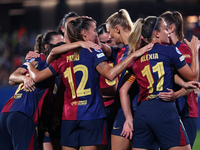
164	47
183	47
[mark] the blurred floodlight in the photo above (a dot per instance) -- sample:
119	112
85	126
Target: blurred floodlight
10	1
192	19
75	2
30	3
48	3
16	12
79	2
42	3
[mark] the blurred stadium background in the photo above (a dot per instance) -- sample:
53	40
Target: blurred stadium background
22	20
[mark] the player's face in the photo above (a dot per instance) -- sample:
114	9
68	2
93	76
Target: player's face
164	35
91	33
114	35
105	39
170	30
56	39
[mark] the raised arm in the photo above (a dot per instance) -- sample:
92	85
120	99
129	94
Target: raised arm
18	76
112	72
192	73
66	47
37	75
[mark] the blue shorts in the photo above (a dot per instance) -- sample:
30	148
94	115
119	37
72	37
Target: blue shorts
82	132
47	137
118	124
17	131
109	119
190	125
157	123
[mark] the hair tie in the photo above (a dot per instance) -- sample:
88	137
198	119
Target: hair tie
173	13
120	12
73	21
142	20
154	26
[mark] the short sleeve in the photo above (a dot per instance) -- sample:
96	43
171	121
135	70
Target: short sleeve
177	58
54	67
98	56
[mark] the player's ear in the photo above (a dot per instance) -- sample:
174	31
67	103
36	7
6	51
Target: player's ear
156	33
117	29
171	28
62	29
84	34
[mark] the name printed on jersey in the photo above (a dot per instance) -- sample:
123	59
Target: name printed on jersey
149	57
71	58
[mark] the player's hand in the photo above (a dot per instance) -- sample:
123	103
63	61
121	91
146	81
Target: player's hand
143	50
32	54
88	45
194	44
127	131
167	96
29	84
191	85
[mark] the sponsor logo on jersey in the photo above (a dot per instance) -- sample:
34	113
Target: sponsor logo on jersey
17	96
100	55
181	58
75	103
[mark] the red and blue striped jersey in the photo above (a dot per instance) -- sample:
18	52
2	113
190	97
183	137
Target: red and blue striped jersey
153	70
119	55
105	83
82	97
187	105
30	103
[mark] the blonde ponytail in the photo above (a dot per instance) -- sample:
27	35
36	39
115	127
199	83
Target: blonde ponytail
134	39
121	18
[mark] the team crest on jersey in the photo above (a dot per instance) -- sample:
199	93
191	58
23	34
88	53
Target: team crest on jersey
177	50
100	55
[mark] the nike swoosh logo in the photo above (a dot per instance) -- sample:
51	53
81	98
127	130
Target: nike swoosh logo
116	128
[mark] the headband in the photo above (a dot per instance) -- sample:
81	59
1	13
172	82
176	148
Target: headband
154	26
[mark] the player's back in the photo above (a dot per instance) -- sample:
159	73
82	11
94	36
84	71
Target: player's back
153	70
83	99
27	102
